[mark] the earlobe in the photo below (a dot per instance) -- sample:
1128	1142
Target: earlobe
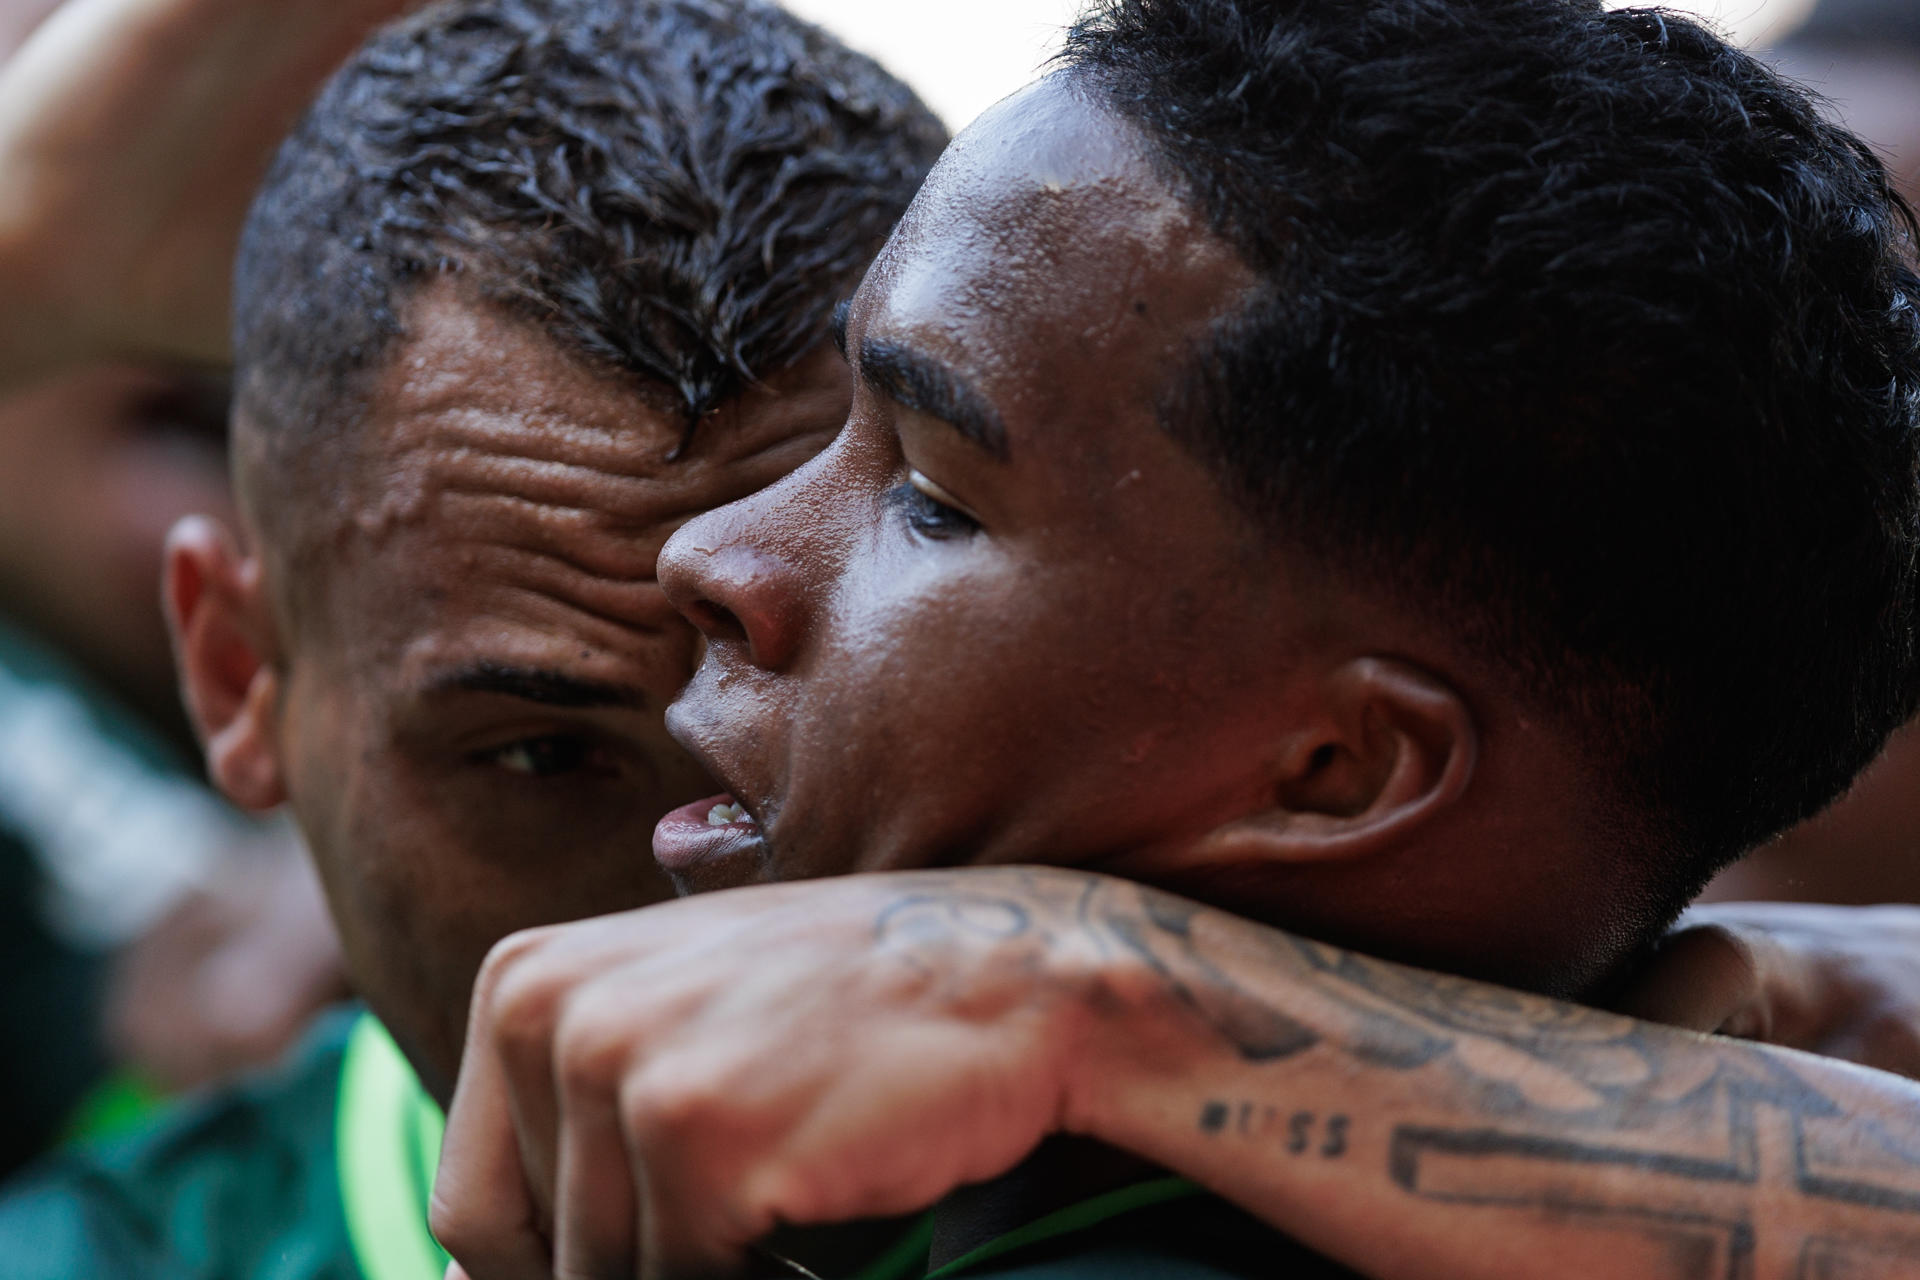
224	649
1392	748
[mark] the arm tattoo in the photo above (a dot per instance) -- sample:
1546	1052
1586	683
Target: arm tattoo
1702	1131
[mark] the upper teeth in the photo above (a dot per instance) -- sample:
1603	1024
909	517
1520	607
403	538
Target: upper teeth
722	814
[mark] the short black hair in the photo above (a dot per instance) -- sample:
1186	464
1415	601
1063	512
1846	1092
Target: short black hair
1581	330
674	189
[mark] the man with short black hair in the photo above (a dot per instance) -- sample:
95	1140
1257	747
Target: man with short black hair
531	283
1442	476
462	699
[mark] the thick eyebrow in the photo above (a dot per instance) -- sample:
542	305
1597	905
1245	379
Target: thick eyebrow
549	688
923	384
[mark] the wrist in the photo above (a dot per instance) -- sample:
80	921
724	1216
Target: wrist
1134	1039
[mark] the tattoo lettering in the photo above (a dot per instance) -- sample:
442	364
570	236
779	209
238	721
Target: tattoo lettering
1580	1117
1300	1132
1546	1087
1554	1086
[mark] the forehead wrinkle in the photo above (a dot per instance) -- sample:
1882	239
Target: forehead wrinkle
572	411
595	474
541	458
627	500
595	558
629	605
602	536
613	529
618	434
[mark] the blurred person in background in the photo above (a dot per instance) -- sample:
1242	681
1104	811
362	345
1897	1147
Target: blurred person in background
1863	56
135	287
144	924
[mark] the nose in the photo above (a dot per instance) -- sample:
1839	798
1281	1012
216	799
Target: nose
737	591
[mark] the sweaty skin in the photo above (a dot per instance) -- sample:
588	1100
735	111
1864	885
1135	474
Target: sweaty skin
463	698
972	595
1025	624
680	1080
161	132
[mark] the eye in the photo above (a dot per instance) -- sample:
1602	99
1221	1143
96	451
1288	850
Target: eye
544	757
925	507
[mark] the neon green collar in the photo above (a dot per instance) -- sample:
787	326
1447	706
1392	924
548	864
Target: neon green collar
387	1140
388	1132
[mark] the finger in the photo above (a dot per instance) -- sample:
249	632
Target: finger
481	1212
596	1207
684	1233
533	1110
692	1191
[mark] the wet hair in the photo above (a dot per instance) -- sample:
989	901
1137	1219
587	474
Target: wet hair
1582	332
676	190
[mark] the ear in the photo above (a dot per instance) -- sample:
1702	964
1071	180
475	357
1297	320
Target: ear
225	649
1388	748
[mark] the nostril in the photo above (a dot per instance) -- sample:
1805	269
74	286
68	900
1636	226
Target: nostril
716	622
734	593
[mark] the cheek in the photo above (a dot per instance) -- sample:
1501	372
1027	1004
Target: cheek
946	700
378	860
1030	715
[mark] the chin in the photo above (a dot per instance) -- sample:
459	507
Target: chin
710	877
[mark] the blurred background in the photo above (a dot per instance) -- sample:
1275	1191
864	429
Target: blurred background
151	938
963	57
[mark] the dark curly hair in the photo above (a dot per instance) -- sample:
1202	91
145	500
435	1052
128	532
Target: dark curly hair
675	189
1582	330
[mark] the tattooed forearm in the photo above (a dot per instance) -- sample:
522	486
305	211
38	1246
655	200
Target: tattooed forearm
1716	1158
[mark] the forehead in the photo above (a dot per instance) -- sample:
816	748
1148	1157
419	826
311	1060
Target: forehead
508	502
1046	251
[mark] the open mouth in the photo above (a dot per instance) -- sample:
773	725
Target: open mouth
703	832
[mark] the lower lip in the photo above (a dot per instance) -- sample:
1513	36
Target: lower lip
684	839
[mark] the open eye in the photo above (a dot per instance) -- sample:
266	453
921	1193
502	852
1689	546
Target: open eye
929	509
544	757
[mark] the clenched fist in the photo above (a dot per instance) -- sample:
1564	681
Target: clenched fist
672	1083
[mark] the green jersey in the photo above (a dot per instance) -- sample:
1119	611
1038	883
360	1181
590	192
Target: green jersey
102	830
319	1171
322	1171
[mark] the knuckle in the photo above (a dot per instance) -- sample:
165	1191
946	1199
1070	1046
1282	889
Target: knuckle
670	1107
503	960
516	994
592	1049
784	1192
